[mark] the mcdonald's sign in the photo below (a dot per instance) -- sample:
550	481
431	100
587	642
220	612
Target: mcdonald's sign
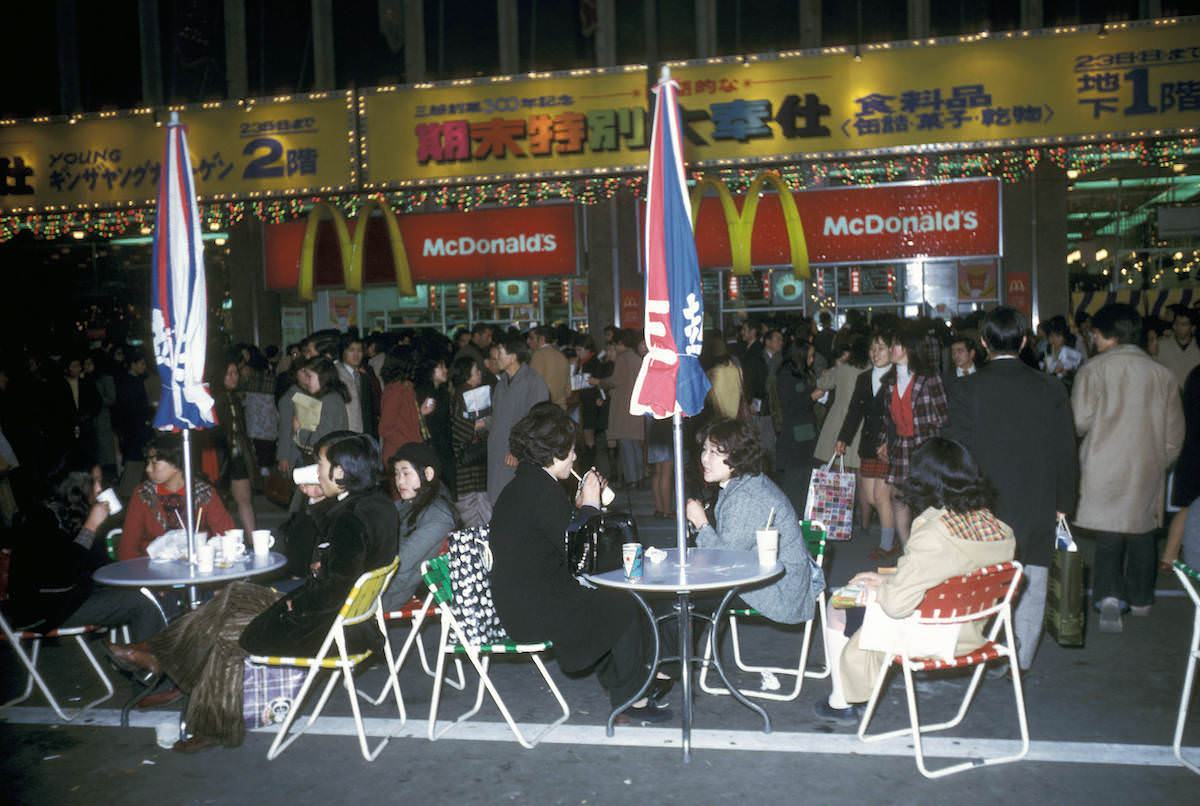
880	223
326	249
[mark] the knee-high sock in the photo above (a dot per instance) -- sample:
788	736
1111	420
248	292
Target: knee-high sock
835	642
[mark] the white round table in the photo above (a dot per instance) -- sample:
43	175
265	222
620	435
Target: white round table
705	571
144	572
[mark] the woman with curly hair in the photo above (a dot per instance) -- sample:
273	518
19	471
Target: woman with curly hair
954	534
536	596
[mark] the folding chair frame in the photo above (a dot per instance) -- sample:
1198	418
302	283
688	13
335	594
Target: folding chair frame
437	577
1187	578
417	611
799	671
354	611
1002	610
29	661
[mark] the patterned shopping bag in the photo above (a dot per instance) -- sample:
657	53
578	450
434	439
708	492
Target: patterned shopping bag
831	501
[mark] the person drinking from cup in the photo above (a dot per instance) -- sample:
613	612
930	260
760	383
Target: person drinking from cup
159	504
733	458
536	596
203	651
954	533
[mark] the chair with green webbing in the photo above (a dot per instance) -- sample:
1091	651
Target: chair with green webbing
814	536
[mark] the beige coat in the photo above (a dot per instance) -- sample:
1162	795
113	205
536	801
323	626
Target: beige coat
840	380
555	370
942	545
1128	411
1179	361
622	424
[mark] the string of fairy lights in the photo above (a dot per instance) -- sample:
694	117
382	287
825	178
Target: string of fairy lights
1010	165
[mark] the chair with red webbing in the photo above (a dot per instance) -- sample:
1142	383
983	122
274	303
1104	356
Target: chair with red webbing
977	596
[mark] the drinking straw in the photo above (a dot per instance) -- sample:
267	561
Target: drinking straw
770	515
179	518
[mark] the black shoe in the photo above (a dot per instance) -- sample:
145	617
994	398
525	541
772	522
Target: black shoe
648	714
659	689
842	716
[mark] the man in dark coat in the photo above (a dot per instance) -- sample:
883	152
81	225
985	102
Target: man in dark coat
1017	424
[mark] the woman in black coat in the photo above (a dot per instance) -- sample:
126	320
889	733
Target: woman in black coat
537	598
203	652
867	409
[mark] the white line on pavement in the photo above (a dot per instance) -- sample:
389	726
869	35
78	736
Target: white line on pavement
1112	754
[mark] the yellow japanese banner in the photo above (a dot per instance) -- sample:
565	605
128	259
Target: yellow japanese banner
304	144
562	125
987	90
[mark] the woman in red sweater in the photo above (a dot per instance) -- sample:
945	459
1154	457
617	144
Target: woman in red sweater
401	416
159	504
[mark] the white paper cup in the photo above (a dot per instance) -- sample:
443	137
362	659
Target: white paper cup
200	539
263	540
110	497
606	496
632	558
232	546
306	475
166	733
205	556
768	546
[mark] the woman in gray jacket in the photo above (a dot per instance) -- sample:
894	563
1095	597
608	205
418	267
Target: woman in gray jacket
733	457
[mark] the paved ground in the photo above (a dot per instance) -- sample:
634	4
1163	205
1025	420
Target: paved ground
1101	719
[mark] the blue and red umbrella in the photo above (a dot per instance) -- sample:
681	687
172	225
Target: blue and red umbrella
671	379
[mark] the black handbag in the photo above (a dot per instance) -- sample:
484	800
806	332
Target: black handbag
595	547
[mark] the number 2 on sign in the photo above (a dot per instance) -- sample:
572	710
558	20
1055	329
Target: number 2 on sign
263	167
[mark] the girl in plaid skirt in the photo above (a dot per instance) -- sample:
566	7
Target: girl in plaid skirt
915	409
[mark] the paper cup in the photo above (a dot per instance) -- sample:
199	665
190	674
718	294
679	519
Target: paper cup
263	540
768	546
205	557
631	559
306	475
109	497
606	496
231	546
167	733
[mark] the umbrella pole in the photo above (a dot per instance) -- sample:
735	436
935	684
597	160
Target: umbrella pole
193	602
680	521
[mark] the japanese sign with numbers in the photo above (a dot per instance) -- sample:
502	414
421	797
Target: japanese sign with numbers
998	88
544	126
285	147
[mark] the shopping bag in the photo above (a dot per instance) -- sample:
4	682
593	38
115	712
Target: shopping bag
831	500
1066	610
279	488
268	693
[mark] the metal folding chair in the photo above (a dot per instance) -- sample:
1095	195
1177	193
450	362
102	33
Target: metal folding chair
362	603
416	610
1187	577
977	596
454	642
815	538
29	661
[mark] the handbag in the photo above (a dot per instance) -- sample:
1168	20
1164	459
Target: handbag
595	547
1066	611
268	693
470	568
831	500
279	488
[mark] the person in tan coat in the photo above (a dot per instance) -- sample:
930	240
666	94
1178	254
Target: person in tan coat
956	533
629	430
548	361
1128	411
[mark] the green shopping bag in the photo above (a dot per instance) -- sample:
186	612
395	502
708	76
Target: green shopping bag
1066	605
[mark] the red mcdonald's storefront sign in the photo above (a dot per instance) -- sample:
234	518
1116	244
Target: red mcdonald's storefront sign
861	224
433	247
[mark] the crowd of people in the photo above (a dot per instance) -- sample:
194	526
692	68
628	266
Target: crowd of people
970	440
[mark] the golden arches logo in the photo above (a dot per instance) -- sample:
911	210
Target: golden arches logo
352	249
741	224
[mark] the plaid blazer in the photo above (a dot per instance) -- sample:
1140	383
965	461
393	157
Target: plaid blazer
931	412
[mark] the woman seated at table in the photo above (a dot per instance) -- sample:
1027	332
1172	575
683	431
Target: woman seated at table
426	517
732	457
536	596
159	504
50	576
956	533
203	651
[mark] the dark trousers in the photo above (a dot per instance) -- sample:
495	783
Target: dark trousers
1125	567
623	670
115	607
